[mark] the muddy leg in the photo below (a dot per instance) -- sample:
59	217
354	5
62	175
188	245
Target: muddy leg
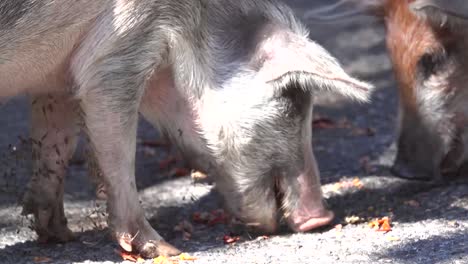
54	133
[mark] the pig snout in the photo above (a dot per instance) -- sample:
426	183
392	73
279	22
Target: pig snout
420	147
403	168
310	212
303	198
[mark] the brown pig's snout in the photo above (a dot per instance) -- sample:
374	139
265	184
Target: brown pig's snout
412	163
406	170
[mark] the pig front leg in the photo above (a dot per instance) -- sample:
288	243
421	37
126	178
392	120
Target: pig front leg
113	135
53	135
111	84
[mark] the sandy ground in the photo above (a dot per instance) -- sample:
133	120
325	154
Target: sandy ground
429	223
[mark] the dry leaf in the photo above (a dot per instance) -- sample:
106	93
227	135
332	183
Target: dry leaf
357	183
353	219
382	224
385	227
347	184
130	257
198	176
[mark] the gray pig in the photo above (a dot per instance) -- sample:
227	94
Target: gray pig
229	82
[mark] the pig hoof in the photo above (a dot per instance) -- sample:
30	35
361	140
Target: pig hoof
149	248
152	249
50	224
145	241
307	224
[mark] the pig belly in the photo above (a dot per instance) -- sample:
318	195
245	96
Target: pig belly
35	68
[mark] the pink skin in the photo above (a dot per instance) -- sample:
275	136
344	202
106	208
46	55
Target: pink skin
310	212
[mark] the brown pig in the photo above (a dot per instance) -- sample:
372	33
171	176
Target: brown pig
427	41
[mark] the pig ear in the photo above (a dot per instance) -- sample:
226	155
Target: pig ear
442	12
346	10
296	60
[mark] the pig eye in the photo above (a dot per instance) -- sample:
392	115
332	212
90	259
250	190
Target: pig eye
431	63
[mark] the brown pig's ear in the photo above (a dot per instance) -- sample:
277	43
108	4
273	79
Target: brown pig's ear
285	58
443	12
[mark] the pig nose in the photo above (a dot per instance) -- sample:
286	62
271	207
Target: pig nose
306	218
406	170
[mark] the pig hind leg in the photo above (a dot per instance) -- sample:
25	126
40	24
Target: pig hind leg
54	132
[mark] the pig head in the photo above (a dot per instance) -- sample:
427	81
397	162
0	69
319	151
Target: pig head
253	132
427	41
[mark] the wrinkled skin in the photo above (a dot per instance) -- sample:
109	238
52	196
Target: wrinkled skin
427	41
233	92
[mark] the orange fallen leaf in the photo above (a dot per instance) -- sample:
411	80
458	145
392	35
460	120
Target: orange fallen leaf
130	256
357	183
385	227
347	184
382	225
42	259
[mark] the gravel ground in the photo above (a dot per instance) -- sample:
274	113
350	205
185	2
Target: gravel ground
429	223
